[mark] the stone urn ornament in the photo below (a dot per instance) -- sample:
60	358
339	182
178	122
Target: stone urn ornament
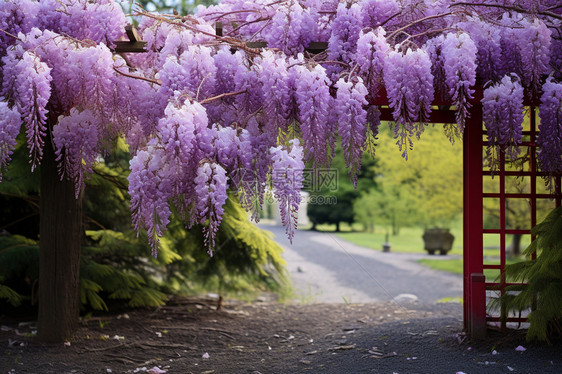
438	240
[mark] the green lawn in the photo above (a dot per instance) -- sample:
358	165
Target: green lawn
410	239
455	266
452	266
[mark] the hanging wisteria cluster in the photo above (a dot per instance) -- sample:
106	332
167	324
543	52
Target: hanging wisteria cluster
502	107
550	137
204	114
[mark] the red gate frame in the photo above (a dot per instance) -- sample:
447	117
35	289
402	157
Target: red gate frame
475	286
474	292
475	315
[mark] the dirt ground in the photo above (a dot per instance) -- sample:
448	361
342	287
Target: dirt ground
190	335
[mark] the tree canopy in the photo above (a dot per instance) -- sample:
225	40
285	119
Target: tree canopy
332	193
169	6
424	191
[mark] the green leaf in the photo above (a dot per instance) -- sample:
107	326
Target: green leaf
10	295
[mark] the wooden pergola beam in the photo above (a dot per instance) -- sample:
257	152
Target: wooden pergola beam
134	45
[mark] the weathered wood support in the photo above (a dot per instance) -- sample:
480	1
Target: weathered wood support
60	237
474	291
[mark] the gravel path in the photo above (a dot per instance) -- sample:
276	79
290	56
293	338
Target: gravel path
434	346
326	268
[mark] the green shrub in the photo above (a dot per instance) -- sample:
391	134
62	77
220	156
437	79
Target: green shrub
117	264
543	294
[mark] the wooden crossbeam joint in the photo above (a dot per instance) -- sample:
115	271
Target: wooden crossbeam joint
313	47
135	43
132	33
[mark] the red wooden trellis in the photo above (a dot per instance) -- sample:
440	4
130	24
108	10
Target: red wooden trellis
476	314
475	284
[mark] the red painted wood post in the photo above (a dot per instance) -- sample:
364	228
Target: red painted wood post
474	292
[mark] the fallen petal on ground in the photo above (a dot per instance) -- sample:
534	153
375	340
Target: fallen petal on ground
156	370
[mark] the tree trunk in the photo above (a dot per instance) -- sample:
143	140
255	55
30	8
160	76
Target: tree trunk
395	227
515	247
59	253
337	227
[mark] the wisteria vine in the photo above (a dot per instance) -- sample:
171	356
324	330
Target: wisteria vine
550	131
503	117
205	114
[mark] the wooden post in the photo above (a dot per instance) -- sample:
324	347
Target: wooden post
477	327
474	290
59	253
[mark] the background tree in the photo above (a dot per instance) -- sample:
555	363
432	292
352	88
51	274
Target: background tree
426	190
366	210
168	6
324	191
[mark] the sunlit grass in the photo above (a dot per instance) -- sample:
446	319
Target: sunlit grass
450	300
451	266
455	266
410	239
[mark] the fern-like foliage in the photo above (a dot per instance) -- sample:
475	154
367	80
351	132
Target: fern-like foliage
544	278
19	259
126	276
17	180
245	256
116	264
10	295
